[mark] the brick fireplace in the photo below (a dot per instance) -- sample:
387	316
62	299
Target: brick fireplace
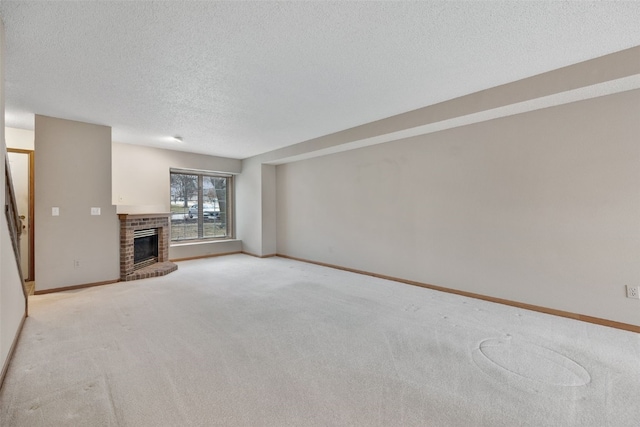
132	223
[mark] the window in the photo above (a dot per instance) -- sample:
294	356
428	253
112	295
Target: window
201	205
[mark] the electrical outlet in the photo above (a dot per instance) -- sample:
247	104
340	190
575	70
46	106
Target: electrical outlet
76	263
633	292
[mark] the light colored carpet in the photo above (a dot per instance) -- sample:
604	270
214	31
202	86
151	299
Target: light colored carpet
241	341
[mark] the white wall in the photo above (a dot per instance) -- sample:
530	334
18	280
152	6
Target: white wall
256	207
540	208
141	175
141	184
73	173
613	73
269	210
249	207
182	251
12	301
19	164
19	138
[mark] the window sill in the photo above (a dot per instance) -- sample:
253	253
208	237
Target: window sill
200	242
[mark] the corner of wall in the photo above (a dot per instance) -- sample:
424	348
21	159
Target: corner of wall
268	206
73	173
248	206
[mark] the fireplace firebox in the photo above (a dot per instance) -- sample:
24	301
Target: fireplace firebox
145	247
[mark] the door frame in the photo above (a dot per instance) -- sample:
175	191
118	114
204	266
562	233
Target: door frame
30	274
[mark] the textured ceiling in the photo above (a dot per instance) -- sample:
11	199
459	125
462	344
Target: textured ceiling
238	79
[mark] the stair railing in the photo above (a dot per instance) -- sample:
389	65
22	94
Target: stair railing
13	220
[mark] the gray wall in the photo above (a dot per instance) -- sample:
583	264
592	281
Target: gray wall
73	172
540	208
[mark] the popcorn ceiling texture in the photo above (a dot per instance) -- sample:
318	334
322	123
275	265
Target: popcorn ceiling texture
238	79
243	341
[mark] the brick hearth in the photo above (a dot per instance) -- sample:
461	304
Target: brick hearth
131	223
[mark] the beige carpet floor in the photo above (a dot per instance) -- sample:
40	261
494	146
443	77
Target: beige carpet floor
242	341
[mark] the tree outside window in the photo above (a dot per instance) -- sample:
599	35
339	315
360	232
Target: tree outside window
200	207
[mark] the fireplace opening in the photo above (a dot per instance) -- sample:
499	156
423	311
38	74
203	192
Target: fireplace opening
145	247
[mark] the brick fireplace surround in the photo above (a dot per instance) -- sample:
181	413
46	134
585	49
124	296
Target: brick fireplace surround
129	224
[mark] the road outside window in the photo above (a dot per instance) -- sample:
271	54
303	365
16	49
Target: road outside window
200	207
